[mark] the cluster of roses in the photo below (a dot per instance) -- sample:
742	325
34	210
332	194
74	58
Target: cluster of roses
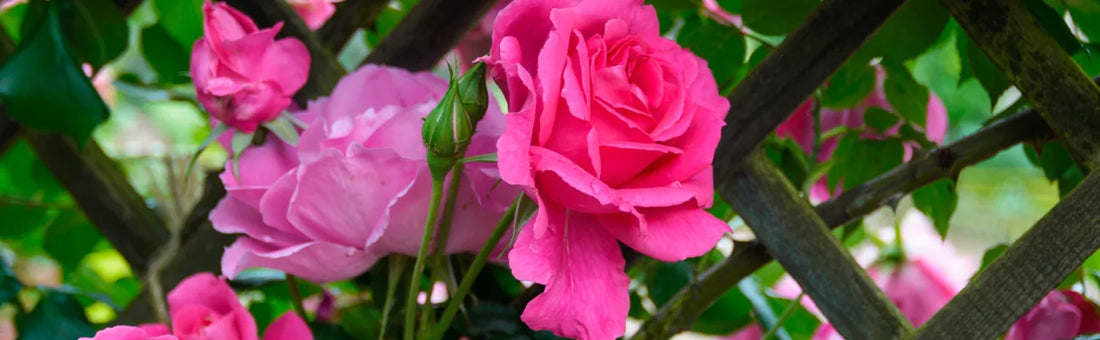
611	130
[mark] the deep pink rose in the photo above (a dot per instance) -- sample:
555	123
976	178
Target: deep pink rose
204	307
313	12
1062	314
357	187
243	76
130	333
613	129
800	127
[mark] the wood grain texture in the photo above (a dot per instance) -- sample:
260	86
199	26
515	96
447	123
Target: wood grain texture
350	16
781	219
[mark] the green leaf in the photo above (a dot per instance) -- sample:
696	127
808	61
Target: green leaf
361	321
56	316
938	200
1087	20
241	141
909	98
1055	160
9	284
182	19
730	312
44	89
1069	180
732	6
69	238
989	76
911	30
859	160
992	254
723	47
328	331
96	28
165	55
666	279
879	119
789	158
775	17
848	86
1053	23
755	59
13	19
283	129
801	324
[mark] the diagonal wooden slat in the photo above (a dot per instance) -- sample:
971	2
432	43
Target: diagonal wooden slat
428	32
1055	246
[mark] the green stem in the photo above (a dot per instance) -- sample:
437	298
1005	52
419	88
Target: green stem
439	254
421	256
787	312
397	267
296	296
475	268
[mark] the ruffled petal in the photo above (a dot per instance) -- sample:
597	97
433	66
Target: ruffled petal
672	234
288	327
314	261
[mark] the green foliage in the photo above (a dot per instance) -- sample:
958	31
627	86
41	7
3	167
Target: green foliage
69	237
911	30
9	284
789	158
992	254
721	46
859	160
975	62
879	119
56	316
388	19
849	85
1058	165
96	29
43	88
938	200
908	98
163	52
180	19
1053	23
775	17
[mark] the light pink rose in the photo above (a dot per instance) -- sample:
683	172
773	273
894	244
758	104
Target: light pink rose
204	307
243	76
357	187
130	333
1062	314
800	127
313	12
613	129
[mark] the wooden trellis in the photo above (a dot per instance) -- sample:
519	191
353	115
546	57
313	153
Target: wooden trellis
1066	101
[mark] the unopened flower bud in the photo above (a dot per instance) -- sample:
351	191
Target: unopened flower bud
448	128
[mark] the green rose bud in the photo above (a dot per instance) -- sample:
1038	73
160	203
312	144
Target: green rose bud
448	128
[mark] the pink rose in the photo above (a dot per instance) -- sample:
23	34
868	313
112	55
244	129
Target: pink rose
204	307
800	127
313	12
613	131
357	187
1062	314
131	333
243	76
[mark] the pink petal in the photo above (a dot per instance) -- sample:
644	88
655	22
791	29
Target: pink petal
570	185
374	86
128	333
276	203
672	234
314	261
582	268
259	168
313	12
222	22
288	327
346	200
231	216
198	322
286	62
513	150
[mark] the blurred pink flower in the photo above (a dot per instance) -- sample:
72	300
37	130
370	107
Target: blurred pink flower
357	186
613	132
313	12
800	127
243	76
129	333
1062	314
476	43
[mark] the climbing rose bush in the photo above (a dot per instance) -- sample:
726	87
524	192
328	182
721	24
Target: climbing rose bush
204	307
612	130
357	186
242	75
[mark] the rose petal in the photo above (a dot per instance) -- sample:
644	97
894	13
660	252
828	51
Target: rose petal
231	216
672	234
314	261
288	327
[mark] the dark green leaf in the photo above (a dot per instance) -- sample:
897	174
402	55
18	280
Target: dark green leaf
43	88
1055	160
755	59
1069	180
859	160
96	28
361	321
729	313
993	81
721	46
56	316
801	324
775	17
69	238
666	279
1088	21
789	158
879	119
1053	23
848	86
328	331
909	98
732	6
12	19
182	19
911	30
992	254
9	284
165	55
938	200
